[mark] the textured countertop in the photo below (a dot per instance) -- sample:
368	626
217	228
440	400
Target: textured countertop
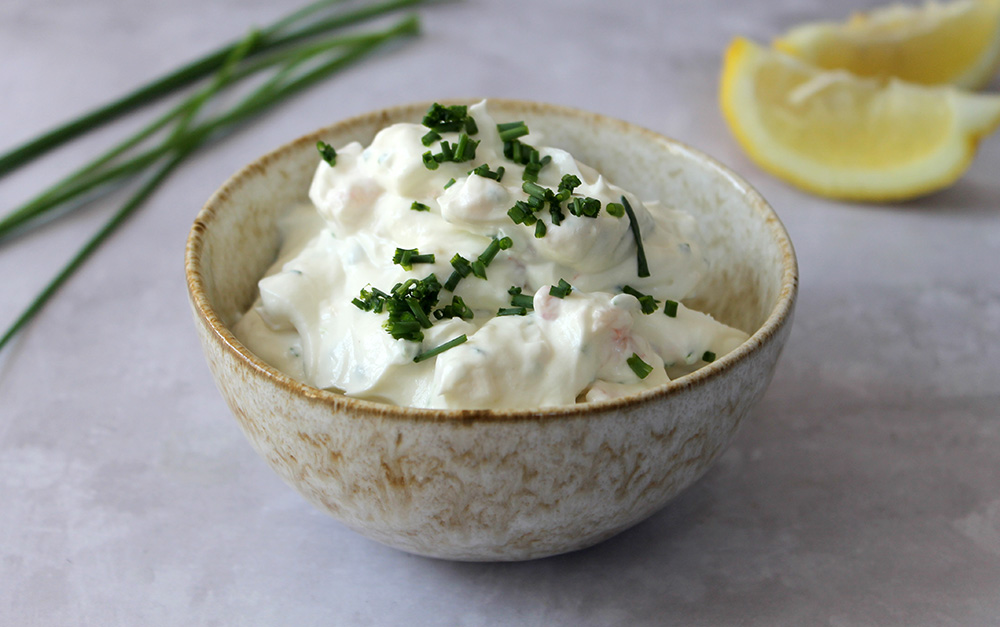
864	490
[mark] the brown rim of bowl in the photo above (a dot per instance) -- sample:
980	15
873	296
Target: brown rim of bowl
778	317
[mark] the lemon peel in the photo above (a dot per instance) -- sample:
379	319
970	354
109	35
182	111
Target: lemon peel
956	43
842	136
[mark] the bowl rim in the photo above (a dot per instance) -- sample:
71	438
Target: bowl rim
779	316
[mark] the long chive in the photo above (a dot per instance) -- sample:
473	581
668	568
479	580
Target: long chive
186	109
88	249
640	253
88	178
271	38
461	339
268	94
221	78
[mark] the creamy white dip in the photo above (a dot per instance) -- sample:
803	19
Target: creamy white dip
561	351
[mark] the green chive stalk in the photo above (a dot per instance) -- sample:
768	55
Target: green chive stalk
180	145
271	38
88	249
76	183
92	176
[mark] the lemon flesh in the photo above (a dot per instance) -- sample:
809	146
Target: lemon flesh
956	43
842	136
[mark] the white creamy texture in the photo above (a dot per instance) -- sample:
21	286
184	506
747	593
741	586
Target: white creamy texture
567	350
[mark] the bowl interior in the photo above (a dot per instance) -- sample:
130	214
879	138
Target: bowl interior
752	267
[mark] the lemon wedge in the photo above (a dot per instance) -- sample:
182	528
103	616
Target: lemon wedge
956	43
842	136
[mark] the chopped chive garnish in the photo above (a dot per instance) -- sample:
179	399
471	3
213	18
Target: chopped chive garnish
638	366
327	152
399	290
406	257
670	308
449	183
419	206
372	299
461	265
485	172
517	299
457	309
486	257
470	126
531	171
434	352
408	306
460	146
556	212
561	290
523	154
508	151
462	270
418	312
616	209
521	213
640	253
535	190
709	356
466	151
512	130
452	281
429	161
569	182
447	119
585	207
447	152
522	300
648	303
539	229
512	311
404	328
479	269
402	257
495	247
429	138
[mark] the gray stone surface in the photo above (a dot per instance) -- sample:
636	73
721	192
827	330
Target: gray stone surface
866	490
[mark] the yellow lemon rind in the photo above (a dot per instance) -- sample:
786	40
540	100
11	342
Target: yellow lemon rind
975	117
861	31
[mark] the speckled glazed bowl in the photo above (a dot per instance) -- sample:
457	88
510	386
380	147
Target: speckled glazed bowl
499	485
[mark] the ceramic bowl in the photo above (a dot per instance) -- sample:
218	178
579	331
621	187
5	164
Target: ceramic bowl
485	484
